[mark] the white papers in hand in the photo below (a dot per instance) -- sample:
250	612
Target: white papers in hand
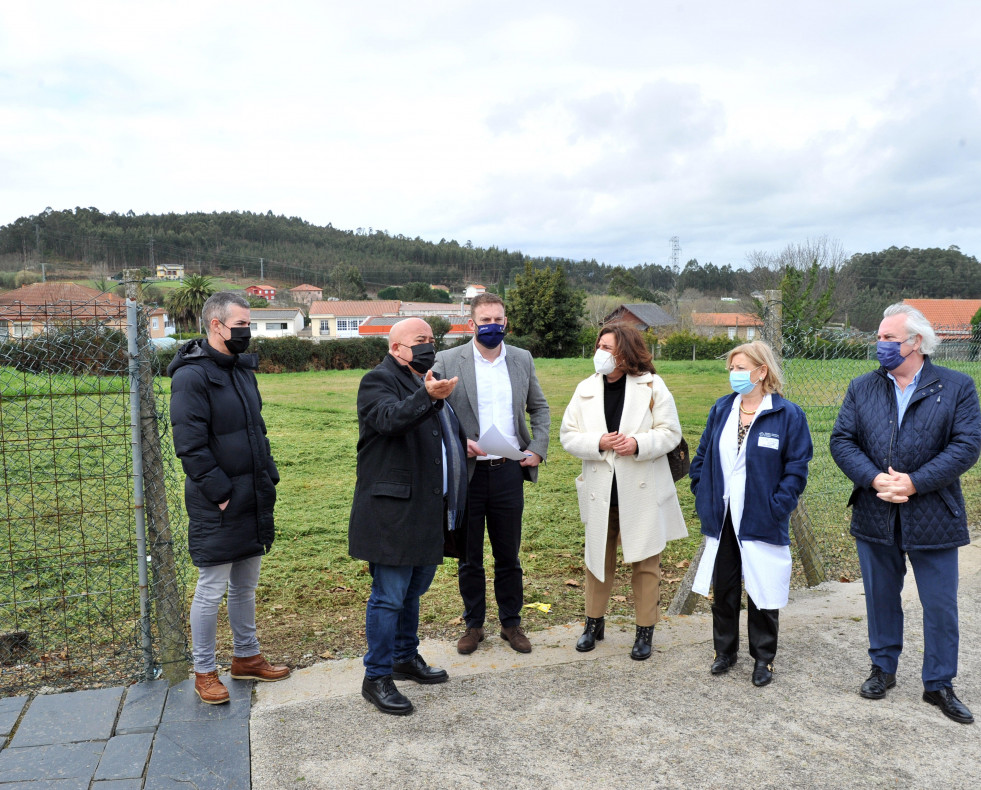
493	442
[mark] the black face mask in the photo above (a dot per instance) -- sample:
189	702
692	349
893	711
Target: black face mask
423	357
238	343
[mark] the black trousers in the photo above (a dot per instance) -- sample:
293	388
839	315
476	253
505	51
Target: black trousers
762	624
496	498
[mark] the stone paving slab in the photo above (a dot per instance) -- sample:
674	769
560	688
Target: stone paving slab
125	757
53	761
69	718
205	755
53	784
142	707
10	710
184	705
116	784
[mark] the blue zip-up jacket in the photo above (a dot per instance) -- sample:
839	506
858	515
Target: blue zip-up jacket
775	478
938	441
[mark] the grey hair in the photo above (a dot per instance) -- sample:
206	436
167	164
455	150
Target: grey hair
219	306
916	324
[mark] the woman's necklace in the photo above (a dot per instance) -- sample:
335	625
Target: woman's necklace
744	411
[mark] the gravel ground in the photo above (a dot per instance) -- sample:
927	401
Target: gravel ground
559	719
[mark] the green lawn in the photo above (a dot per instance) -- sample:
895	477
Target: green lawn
312	594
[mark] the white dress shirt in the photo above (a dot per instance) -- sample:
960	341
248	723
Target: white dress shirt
494	396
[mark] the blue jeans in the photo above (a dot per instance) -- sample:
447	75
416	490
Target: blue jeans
883	573
392	615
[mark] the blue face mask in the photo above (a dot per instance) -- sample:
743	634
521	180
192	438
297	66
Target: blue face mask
490	335
889	353
741	381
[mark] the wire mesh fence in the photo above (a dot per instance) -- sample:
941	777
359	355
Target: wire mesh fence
86	597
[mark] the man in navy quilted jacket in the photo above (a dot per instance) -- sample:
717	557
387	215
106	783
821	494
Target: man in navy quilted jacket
904	436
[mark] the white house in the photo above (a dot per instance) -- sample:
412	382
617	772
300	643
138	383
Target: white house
332	320
271	322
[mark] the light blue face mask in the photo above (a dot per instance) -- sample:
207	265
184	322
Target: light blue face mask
741	381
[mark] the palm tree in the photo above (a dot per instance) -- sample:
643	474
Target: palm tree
186	302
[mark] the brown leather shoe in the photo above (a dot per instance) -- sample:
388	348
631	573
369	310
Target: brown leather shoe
257	668
515	636
469	641
209	688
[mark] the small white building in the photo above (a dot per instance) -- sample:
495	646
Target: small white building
474	290
271	322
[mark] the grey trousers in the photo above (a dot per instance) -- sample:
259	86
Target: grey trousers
239	579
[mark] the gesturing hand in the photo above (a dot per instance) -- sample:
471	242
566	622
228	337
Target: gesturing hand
439	389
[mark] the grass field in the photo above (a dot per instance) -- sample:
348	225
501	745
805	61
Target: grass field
312	594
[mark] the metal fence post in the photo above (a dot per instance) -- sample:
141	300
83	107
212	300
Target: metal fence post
132	331
167	590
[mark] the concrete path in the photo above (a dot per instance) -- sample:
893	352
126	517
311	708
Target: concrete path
560	719
551	719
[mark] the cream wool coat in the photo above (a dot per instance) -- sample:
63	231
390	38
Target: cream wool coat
650	514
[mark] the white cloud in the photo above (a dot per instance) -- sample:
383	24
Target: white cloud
555	127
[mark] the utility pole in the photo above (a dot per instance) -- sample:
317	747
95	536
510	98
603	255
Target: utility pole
37	237
675	252
262	270
153	266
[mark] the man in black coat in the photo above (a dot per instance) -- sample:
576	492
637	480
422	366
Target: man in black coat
230	488
411	482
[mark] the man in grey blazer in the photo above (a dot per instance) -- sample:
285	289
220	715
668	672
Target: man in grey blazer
497	386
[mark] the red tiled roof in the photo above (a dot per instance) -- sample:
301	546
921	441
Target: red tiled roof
725	319
306	287
949	314
60	299
365	307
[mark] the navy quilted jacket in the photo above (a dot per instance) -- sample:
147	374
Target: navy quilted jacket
938	441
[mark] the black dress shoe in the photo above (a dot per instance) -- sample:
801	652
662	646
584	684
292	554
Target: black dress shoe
594	632
877	683
418	670
723	663
951	707
641	650
381	693
762	673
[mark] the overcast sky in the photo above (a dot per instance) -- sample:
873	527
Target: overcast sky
575	129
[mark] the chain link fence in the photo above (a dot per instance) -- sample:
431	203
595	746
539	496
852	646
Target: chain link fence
91	590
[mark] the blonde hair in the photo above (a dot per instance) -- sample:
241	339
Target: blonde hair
760	353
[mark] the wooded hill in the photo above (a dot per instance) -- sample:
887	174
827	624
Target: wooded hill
345	263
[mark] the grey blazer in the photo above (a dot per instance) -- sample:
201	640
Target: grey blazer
526	396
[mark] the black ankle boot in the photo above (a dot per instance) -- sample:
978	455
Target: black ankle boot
594	630
642	645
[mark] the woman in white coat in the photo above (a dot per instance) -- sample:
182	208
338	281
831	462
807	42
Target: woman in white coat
622	422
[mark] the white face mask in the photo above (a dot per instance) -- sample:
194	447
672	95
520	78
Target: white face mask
603	362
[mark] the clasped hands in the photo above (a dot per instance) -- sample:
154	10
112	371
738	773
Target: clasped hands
895	487
620	443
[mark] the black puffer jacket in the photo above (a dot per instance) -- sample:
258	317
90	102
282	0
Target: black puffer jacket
938	441
220	437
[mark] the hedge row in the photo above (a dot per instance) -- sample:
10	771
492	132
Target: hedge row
296	355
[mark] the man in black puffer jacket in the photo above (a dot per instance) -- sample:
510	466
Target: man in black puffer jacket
230	489
904	436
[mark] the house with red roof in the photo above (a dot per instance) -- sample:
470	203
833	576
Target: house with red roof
37	308
306	294
742	326
950	318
